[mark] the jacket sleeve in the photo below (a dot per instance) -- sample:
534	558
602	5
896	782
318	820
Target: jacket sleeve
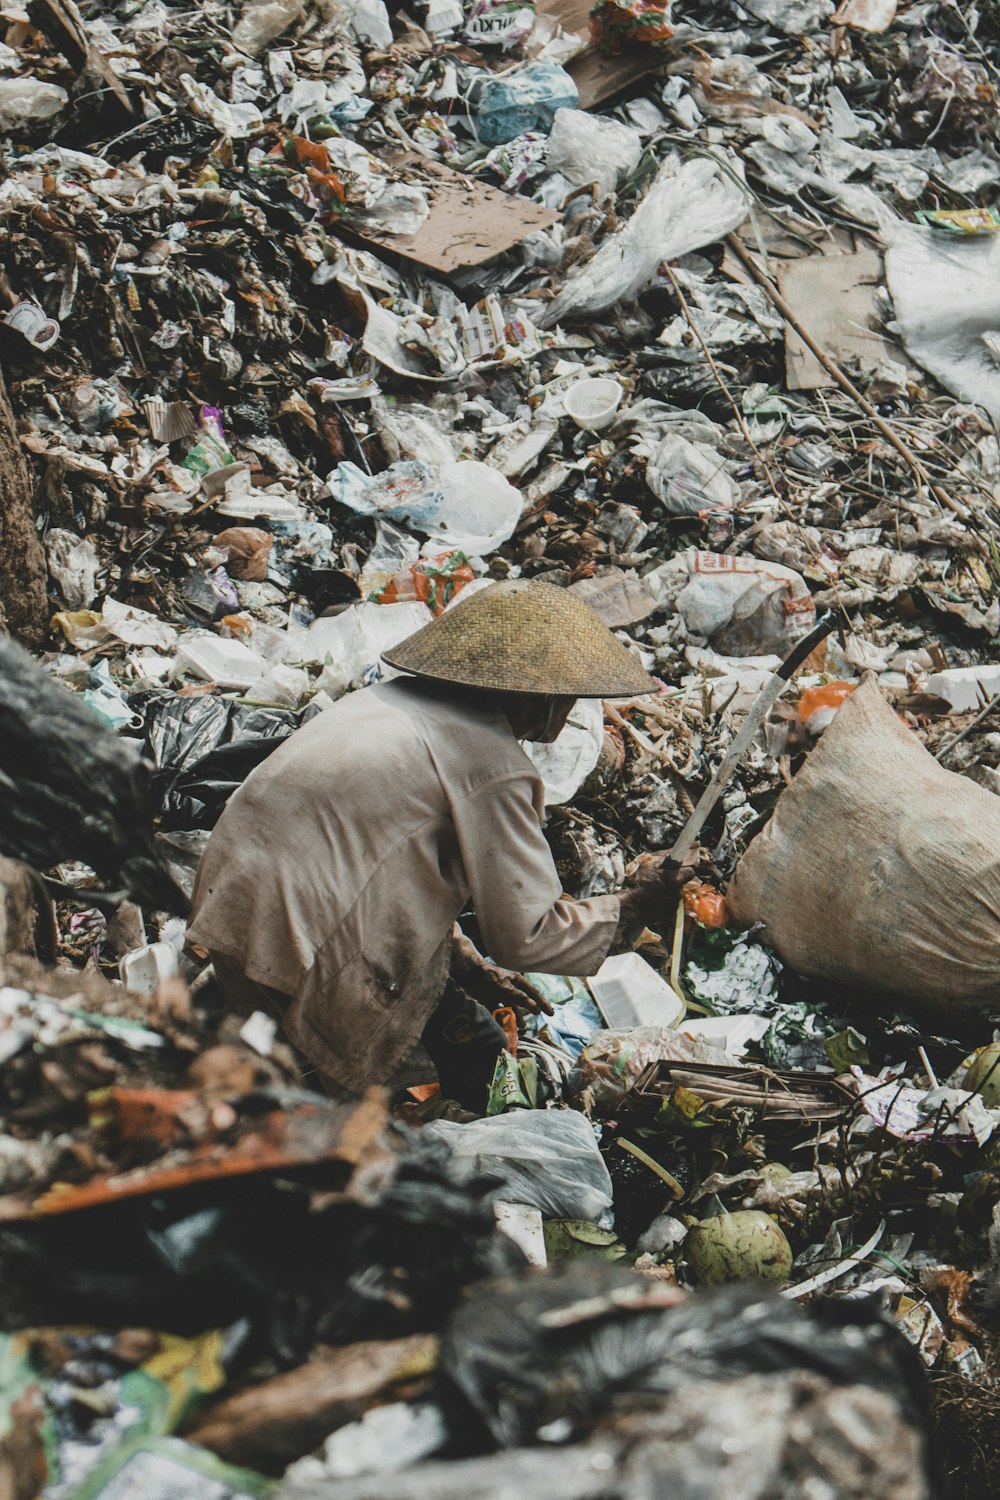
526	922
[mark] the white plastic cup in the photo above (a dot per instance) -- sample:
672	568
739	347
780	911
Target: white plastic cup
145	969
593	403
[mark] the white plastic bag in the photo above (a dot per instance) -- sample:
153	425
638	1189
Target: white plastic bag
689	478
944	290
687	206
743	606
72	562
355	639
589	148
565	764
478	511
25	99
546	1158
263	21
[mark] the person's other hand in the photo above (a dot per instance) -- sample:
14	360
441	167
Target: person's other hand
493	987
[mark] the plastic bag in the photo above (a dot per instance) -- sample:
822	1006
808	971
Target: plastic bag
743	606
689	478
546	1158
688	205
70	789
263	21
352	642
406	491
26	99
248	548
565	764
505	107
856	883
72	562
588	148
478	509
204	748
529	1351
499	23
944	292
612	1061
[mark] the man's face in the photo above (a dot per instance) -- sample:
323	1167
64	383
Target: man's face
553	720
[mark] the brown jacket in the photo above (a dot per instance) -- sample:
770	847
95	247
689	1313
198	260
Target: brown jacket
338	868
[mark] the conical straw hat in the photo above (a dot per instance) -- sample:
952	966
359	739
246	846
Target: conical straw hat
520	637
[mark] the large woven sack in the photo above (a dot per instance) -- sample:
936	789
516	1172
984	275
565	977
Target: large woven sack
879	868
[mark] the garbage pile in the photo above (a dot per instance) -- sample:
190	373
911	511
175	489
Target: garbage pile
315	318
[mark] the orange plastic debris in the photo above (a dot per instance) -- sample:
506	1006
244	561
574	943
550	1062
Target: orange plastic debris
818	705
706	905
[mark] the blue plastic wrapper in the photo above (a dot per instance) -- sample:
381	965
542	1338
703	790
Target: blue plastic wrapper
506	107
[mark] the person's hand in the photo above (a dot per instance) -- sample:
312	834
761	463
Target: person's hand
652	888
489	984
494	987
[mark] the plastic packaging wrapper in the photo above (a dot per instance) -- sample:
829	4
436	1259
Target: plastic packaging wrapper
149	1383
688	205
612	1061
587	148
204	748
961	221
945	330
852	881
499	23
743	606
547	1158
210	449
689	478
504	107
56	758
434	581
616	25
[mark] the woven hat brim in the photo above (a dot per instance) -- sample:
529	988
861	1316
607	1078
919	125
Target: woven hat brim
531	638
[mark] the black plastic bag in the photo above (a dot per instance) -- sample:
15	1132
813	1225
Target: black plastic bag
71	789
386	1257
204	748
524	1353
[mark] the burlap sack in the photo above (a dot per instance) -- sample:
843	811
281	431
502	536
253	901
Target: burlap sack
879	869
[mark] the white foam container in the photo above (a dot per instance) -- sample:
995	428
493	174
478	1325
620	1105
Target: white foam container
966	688
732	1033
630	993
144	969
215	658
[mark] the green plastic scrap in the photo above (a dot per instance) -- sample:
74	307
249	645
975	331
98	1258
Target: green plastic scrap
168	1469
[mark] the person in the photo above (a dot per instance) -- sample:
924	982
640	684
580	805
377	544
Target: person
330	889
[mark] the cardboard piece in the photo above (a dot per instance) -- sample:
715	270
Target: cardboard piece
834	296
469	223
